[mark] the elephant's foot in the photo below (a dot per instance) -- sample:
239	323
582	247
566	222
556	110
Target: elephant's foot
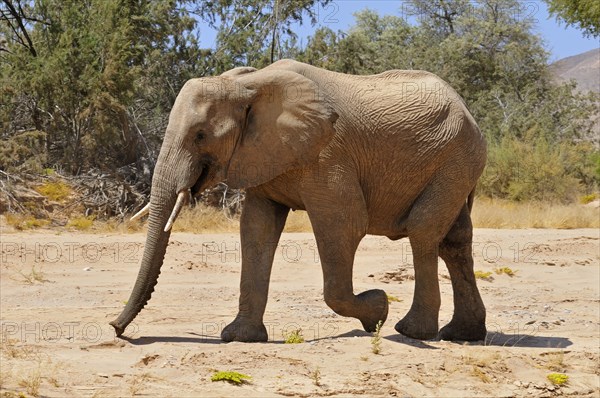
376	304
457	330
418	325
245	331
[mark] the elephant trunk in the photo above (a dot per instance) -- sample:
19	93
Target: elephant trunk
162	202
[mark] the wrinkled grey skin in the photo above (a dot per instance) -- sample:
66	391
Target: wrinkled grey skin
395	154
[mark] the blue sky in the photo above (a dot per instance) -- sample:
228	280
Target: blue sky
560	41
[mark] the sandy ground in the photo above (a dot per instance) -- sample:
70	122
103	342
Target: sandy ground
56	340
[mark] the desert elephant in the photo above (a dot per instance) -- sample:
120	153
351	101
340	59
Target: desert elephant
395	154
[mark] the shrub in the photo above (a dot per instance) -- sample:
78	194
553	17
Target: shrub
56	191
294	337
558	378
231	377
486	276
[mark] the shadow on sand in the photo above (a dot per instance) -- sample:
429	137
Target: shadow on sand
494	339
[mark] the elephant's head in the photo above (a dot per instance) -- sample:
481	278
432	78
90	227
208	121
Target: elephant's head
244	127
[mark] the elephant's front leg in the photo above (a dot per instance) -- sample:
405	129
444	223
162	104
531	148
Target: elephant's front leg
260	228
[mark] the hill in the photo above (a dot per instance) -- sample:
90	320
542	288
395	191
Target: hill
583	68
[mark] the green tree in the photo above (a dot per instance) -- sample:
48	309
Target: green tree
97	68
488	52
254	32
585	14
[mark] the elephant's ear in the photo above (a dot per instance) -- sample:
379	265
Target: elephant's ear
287	124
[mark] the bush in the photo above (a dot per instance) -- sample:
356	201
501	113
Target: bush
538	171
23	152
57	191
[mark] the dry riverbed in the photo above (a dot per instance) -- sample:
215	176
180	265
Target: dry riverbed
59	290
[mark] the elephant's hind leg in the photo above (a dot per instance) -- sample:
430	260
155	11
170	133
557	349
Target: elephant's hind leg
429	220
421	321
468	321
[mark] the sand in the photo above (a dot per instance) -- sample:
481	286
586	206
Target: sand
56	340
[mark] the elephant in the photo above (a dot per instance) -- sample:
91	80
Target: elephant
396	154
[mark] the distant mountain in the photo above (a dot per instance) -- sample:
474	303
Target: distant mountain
583	68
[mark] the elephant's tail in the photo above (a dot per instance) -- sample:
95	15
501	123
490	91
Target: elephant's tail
470	200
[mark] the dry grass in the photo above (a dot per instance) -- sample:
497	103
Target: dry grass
24	222
31	383
555	361
33	276
298	221
486	214
205	219
504	214
81	223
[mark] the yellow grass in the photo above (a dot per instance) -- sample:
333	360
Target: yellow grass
298	221
486	213
202	219
57	191
513	215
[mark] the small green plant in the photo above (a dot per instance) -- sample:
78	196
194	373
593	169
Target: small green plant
588	198
294	337
558	378
56	191
316	377
505	270
81	223
376	339
231	377
391	298
486	276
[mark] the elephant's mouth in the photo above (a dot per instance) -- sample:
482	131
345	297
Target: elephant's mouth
185	195
200	183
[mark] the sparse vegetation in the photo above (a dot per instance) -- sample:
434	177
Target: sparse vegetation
231	377
479	373
81	223
31	383
315	375
556	361
294	337
505	214
56	191
138	382
202	219
24	222
392	299
588	198
505	271
486	276
558	378
376	339
34	275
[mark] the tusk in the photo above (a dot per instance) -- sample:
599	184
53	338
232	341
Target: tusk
141	213
182	198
